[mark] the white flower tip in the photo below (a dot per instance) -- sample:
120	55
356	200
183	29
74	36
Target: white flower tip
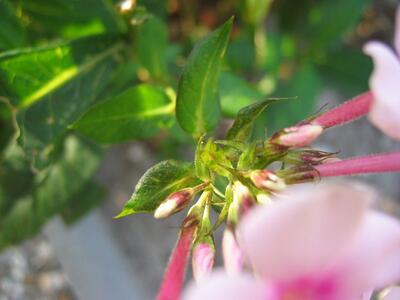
165	209
300	136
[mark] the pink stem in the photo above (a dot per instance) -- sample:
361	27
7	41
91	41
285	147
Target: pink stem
175	273
346	112
377	163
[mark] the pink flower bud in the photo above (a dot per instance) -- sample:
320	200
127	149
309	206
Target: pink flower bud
174	203
298	136
232	254
203	259
267	180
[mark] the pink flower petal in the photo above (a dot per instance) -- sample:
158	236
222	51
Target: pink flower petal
397	33
305	233
374	260
394	294
232	254
384	83
221	286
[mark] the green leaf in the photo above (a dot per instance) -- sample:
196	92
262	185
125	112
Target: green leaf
53	190
12	33
72	19
197	106
157	183
80	203
337	69
53	86
305	85
243	125
29	74
344	14
152	43
139	112
235	93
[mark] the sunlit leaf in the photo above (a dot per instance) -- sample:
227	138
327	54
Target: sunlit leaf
139	112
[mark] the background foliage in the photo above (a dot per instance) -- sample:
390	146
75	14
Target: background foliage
76	75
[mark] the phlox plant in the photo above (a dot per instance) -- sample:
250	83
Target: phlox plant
310	243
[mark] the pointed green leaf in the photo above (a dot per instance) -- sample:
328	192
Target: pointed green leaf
243	125
139	112
197	107
157	183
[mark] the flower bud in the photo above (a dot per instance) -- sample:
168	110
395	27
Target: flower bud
231	252
297	136
263	198
312	157
203	258
267	180
299	174
242	201
175	202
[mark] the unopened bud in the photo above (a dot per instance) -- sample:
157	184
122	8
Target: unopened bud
299	174
267	180
174	203
263	198
203	258
242	201
310	157
232	254
297	136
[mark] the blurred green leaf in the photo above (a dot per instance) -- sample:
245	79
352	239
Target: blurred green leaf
243	125
197	106
52	87
346	70
241	51
88	197
329	20
139	112
318	24
51	194
72	19
235	93
254	11
157	183
28	75
305	85
152	43
12	33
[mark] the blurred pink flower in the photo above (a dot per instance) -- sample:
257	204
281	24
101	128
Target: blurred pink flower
394	294
385	84
314	244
